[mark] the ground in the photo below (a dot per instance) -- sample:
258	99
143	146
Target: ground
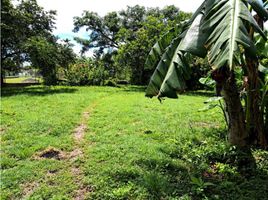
113	143
29	79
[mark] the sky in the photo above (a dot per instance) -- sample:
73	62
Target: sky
67	9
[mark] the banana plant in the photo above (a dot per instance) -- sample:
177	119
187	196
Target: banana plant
222	30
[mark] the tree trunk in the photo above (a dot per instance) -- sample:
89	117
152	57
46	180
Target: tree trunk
236	127
255	116
266	121
2	79
254	119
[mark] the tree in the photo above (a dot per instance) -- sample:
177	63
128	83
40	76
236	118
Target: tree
129	32
132	54
102	30
48	56
18	24
222	30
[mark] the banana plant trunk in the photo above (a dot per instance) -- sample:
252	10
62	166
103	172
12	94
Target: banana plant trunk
254	115
236	126
226	85
245	126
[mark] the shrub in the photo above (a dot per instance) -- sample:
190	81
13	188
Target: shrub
110	82
86	72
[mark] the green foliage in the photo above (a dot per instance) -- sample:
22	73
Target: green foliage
27	36
207	33
43	55
47	56
199	186
214	102
19	23
159	48
110	82
77	74
199	68
224	32
103	30
171	72
208	82
86	72
132	55
129	33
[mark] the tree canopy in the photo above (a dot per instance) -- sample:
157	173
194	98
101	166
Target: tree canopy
21	22
128	34
26	30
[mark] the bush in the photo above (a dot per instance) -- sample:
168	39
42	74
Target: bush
110	82
77	74
199	68
86	72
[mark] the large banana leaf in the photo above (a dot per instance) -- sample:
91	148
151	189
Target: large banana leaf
169	74
258	7
219	27
228	29
171	68
159	48
193	39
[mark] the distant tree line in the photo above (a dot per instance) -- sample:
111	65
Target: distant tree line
120	41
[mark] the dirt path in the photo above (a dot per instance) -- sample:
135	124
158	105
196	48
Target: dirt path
69	157
79	133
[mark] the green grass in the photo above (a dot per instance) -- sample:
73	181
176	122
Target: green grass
19	80
134	147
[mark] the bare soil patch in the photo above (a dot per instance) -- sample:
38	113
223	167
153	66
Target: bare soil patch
79	132
28	189
81	193
2	130
75	154
86	115
51	153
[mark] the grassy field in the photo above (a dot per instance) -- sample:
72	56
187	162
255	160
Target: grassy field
20	80
113	143
14	80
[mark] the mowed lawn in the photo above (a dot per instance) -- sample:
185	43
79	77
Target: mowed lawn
15	80
113	143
